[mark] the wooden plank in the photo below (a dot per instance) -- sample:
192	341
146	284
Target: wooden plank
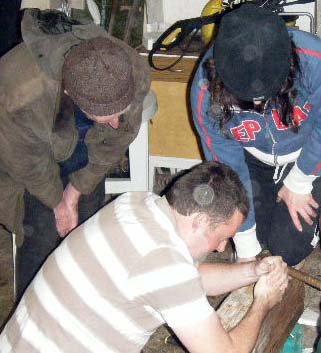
172	133
181	72
131	20
235	306
279	322
112	16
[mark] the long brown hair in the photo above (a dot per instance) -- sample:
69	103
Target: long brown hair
223	101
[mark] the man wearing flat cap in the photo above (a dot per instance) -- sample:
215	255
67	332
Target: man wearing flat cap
256	105
71	103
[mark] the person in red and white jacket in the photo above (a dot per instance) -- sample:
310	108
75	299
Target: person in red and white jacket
256	104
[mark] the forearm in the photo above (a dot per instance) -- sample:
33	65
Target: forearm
244	335
219	278
71	195
66	212
209	336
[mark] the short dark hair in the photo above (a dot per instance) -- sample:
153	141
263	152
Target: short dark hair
209	187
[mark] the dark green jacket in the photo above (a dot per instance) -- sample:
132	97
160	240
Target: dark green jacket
37	125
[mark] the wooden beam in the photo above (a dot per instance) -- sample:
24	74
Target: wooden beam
131	20
112	16
279	322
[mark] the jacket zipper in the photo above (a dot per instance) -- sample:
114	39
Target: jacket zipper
276	177
274	142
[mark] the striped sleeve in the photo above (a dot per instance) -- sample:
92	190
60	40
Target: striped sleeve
171	287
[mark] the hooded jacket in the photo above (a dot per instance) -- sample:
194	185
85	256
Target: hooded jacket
37	124
264	135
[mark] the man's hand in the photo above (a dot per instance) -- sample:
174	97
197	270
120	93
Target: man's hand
271	286
269	264
66	212
303	205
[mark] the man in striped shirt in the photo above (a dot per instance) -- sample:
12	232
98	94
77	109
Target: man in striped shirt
134	266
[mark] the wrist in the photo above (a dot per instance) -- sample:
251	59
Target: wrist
246	243
71	195
298	182
59	205
261	304
250	271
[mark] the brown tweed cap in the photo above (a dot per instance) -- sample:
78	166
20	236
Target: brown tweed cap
97	75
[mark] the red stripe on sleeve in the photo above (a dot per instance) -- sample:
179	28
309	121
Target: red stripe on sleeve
317	54
318	167
309	52
200	120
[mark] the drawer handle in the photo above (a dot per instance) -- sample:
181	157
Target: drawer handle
176	70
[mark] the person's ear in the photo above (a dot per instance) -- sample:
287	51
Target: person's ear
200	222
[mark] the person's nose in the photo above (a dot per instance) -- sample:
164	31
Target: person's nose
222	246
114	122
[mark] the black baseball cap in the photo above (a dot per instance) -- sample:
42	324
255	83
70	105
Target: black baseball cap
252	52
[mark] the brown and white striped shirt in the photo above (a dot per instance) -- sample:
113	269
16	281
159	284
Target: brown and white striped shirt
110	284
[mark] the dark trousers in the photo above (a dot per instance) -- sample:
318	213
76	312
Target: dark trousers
41	236
274	227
